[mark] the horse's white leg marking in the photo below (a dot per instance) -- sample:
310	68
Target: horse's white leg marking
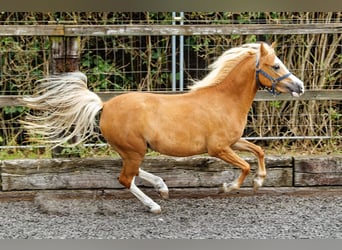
156	181
227	187
147	201
257	182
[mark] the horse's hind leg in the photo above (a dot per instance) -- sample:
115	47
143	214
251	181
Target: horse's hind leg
156	181
147	201
127	177
244	145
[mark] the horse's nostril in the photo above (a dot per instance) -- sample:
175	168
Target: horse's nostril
300	87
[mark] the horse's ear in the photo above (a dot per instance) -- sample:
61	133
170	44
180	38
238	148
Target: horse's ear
263	50
273	45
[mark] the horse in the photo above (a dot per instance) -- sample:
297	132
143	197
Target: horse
209	118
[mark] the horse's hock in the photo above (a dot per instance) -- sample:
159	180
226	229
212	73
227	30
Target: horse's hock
179	173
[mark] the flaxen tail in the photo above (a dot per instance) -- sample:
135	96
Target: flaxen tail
63	108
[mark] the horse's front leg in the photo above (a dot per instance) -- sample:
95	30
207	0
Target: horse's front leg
229	156
243	145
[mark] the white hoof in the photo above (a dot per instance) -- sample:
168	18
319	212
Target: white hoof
229	187
155	209
164	194
257	182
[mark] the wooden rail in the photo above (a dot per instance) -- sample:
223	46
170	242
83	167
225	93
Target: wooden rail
71	31
168	30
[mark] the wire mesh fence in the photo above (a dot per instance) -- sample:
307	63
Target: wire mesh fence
148	63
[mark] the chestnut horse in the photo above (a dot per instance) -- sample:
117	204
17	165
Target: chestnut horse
210	118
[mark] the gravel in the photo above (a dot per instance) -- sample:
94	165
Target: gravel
252	217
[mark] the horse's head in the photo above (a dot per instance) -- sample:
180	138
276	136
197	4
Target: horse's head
273	75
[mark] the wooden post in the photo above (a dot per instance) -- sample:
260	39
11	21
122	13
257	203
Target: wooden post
65	54
65	58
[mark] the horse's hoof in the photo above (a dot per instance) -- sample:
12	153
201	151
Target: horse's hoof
257	182
155	210
164	194
226	188
223	188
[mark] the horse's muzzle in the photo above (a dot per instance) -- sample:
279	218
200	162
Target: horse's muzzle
296	88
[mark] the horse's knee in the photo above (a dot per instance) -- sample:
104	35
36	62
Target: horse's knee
246	170
260	152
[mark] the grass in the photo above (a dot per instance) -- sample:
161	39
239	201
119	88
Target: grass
328	148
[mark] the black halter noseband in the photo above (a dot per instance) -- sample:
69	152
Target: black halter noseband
273	80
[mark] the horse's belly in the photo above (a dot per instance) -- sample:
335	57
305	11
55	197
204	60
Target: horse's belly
177	144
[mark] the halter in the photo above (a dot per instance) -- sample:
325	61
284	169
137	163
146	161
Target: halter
273	80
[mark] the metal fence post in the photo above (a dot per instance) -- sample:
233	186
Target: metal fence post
181	55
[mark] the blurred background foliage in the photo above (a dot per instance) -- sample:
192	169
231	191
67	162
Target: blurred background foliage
114	63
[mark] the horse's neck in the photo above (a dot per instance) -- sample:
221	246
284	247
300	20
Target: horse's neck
240	84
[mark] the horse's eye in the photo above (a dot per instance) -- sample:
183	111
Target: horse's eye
276	67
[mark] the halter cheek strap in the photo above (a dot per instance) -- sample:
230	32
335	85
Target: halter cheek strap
273	80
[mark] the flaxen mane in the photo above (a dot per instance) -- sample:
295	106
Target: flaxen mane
224	64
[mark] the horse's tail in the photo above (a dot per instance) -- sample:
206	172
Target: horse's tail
63	108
